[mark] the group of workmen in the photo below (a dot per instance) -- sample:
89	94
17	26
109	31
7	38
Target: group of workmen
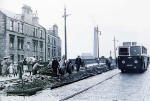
59	67
9	68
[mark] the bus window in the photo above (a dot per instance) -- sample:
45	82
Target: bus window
135	50
144	50
123	51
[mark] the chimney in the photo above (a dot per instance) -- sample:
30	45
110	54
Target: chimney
35	19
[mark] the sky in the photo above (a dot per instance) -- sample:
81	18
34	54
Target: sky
126	20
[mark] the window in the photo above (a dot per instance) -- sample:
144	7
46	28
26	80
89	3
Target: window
41	46
34	31
54	41
123	51
18	27
144	50
41	34
54	52
48	39
20	43
21	30
11	25
28	45
49	52
35	45
11	42
18	57
135	50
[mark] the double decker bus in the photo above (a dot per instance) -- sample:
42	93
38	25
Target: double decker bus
132	57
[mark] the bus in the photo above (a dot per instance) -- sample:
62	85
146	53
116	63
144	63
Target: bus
132	57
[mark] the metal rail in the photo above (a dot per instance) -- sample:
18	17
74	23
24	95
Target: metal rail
71	96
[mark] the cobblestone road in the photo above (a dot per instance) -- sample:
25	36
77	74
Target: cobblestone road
122	87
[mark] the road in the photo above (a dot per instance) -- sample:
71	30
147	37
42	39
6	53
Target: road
122	87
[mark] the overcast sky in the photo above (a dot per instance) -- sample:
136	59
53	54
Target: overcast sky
127	20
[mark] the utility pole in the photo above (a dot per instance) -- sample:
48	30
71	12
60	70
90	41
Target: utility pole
115	47
110	53
65	31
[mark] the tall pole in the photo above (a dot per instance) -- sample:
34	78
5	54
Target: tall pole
98	41
98	32
65	32
115	46
110	53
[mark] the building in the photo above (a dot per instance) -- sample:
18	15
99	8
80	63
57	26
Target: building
87	56
22	36
53	43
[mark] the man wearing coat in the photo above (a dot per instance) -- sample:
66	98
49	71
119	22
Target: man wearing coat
78	63
55	66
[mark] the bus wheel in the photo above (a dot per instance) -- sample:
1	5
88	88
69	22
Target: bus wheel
123	71
141	71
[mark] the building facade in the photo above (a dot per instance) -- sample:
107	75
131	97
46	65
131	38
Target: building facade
53	43
22	36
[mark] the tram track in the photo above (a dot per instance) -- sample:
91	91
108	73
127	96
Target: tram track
77	93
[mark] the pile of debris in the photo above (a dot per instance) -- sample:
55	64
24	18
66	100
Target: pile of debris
29	85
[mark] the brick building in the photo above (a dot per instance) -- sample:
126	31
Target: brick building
22	36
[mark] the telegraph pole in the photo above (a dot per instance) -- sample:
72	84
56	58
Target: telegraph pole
65	32
115	47
110	53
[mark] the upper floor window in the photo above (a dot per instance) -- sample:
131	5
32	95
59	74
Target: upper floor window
28	45
41	33
11	42
35	45
54	41
11	25
41	46
20	43
21	30
18	27
34	31
48	39
49	52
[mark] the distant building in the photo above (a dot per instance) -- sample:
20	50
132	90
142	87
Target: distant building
87	56
53	43
22	36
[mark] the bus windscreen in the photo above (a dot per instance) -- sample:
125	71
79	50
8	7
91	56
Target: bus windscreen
123	51
135	50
